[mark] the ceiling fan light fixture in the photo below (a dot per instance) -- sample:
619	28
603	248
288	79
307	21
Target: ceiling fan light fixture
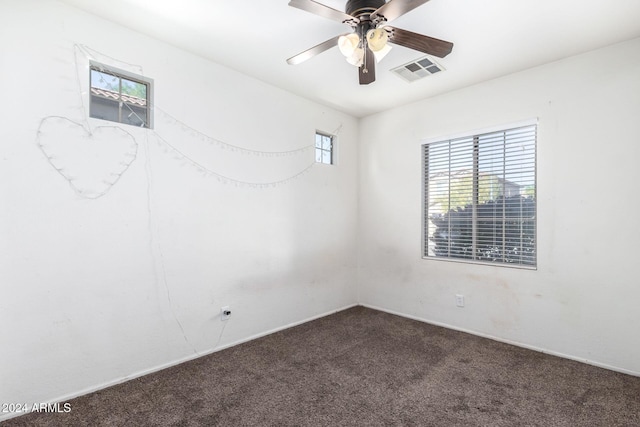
371	36
377	39
348	44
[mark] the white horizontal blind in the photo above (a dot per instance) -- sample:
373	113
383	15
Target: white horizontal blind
480	197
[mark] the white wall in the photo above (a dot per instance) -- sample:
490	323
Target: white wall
94	290
97	290
582	300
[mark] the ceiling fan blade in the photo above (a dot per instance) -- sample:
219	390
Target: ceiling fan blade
395	8
419	42
324	11
367	71
317	49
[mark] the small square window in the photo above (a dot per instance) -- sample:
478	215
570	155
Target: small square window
324	148
118	96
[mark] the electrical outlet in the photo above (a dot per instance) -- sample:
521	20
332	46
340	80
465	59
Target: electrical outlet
459	300
225	312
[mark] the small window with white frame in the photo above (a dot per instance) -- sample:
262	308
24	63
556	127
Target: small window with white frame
324	148
119	96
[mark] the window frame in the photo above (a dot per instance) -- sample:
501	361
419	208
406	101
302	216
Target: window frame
126	75
331	150
424	249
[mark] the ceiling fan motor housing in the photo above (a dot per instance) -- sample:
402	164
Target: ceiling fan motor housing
358	8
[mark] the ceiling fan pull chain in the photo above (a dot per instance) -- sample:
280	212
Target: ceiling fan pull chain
366	48
364	65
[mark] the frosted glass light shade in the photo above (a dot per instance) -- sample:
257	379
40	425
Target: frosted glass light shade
348	44
349	47
377	39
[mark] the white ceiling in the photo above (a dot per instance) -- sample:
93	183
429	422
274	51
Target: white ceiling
491	38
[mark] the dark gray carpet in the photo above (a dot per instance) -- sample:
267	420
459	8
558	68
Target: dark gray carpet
362	367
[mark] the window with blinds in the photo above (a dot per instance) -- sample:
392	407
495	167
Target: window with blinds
480	197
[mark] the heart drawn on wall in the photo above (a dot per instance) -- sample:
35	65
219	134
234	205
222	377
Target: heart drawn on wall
91	161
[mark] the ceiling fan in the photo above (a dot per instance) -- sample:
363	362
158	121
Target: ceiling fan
367	43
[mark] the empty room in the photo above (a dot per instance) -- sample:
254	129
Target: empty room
309	213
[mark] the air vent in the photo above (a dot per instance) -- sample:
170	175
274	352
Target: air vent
418	69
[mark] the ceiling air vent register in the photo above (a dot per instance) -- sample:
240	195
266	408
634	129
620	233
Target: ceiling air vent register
418	69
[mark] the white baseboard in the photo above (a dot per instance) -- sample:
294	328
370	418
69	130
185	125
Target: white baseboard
142	373
506	341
